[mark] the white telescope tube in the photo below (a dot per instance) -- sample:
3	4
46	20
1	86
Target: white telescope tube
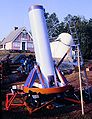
41	43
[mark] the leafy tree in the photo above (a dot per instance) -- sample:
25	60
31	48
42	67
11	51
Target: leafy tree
53	25
84	32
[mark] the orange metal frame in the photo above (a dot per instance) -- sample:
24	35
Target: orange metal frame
10	100
73	100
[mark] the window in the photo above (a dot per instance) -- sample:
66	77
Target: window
16	44
1	46
24	34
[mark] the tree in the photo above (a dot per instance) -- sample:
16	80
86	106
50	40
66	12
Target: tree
84	32
53	25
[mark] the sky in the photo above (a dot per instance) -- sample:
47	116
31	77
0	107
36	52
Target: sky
15	12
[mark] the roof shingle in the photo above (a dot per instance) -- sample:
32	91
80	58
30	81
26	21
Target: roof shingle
12	36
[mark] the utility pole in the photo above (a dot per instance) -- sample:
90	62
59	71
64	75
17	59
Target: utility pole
80	81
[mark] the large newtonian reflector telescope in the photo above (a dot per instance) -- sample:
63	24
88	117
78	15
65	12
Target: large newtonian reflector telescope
49	76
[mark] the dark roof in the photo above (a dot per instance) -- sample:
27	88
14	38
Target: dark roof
13	35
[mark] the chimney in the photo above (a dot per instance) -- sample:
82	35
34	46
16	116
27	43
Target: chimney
15	28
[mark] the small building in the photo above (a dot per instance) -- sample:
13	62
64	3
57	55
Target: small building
18	39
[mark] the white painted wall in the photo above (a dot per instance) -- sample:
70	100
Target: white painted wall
8	46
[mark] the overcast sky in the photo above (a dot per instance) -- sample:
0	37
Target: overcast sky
15	12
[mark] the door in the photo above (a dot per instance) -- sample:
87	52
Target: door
23	45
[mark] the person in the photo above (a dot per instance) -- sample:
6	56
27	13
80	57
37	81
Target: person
29	64
22	68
